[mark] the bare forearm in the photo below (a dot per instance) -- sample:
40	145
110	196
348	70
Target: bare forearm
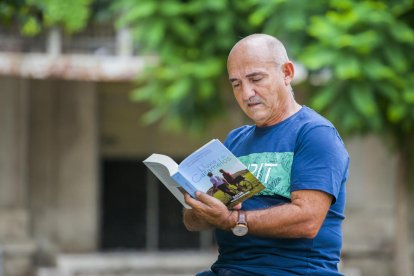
283	221
300	219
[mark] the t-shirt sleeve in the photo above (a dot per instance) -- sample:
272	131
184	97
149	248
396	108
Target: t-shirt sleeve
320	161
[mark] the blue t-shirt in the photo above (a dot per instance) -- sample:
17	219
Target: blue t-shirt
303	152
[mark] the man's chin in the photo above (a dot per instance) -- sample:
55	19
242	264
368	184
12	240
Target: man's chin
258	120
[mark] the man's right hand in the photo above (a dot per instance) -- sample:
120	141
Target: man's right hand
208	212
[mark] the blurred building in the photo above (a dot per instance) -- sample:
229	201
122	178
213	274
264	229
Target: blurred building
74	194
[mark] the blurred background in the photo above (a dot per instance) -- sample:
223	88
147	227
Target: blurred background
90	88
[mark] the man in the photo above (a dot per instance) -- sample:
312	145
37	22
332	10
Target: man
294	226
219	184
227	176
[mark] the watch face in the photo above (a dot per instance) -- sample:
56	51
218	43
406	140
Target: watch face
240	230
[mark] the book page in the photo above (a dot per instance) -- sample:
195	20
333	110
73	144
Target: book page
163	167
211	169
163	162
210	158
214	170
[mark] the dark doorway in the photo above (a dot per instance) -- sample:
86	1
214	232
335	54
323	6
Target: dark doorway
123	205
124	210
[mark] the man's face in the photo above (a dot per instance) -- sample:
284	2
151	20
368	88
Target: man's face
259	85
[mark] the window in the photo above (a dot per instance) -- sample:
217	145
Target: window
139	213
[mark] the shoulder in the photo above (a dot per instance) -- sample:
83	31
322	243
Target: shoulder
311	119
312	124
318	132
235	135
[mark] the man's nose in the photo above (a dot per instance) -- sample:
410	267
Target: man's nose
248	92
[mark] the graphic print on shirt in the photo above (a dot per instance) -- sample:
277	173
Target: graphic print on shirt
272	169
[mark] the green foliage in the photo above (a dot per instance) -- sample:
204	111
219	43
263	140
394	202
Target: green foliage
34	15
72	15
364	47
192	40
367	46
287	20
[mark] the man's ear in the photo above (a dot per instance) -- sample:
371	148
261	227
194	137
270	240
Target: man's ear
288	71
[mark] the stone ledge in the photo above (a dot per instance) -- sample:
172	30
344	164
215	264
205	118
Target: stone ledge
72	67
17	257
23	247
139	263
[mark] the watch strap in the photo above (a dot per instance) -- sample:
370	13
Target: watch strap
242	217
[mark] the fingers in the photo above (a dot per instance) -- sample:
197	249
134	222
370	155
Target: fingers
202	201
209	209
194	203
203	197
237	207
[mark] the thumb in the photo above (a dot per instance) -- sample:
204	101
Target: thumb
237	207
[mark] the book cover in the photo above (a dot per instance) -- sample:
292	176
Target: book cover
211	169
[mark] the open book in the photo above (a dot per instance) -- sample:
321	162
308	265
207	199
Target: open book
211	169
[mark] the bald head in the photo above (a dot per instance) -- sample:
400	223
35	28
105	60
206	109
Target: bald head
260	73
263	45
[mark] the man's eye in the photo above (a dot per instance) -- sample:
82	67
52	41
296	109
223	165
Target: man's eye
257	79
236	84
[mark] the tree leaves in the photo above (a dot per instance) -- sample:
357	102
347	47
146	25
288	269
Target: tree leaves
367	47
72	15
364	47
348	68
31	26
358	53
35	15
191	40
363	99
325	97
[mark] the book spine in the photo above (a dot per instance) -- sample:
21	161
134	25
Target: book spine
187	186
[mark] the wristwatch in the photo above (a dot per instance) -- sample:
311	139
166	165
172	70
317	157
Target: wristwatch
241	226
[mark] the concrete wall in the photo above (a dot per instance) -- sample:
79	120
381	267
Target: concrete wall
63	158
48	171
369	229
369	224
16	246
